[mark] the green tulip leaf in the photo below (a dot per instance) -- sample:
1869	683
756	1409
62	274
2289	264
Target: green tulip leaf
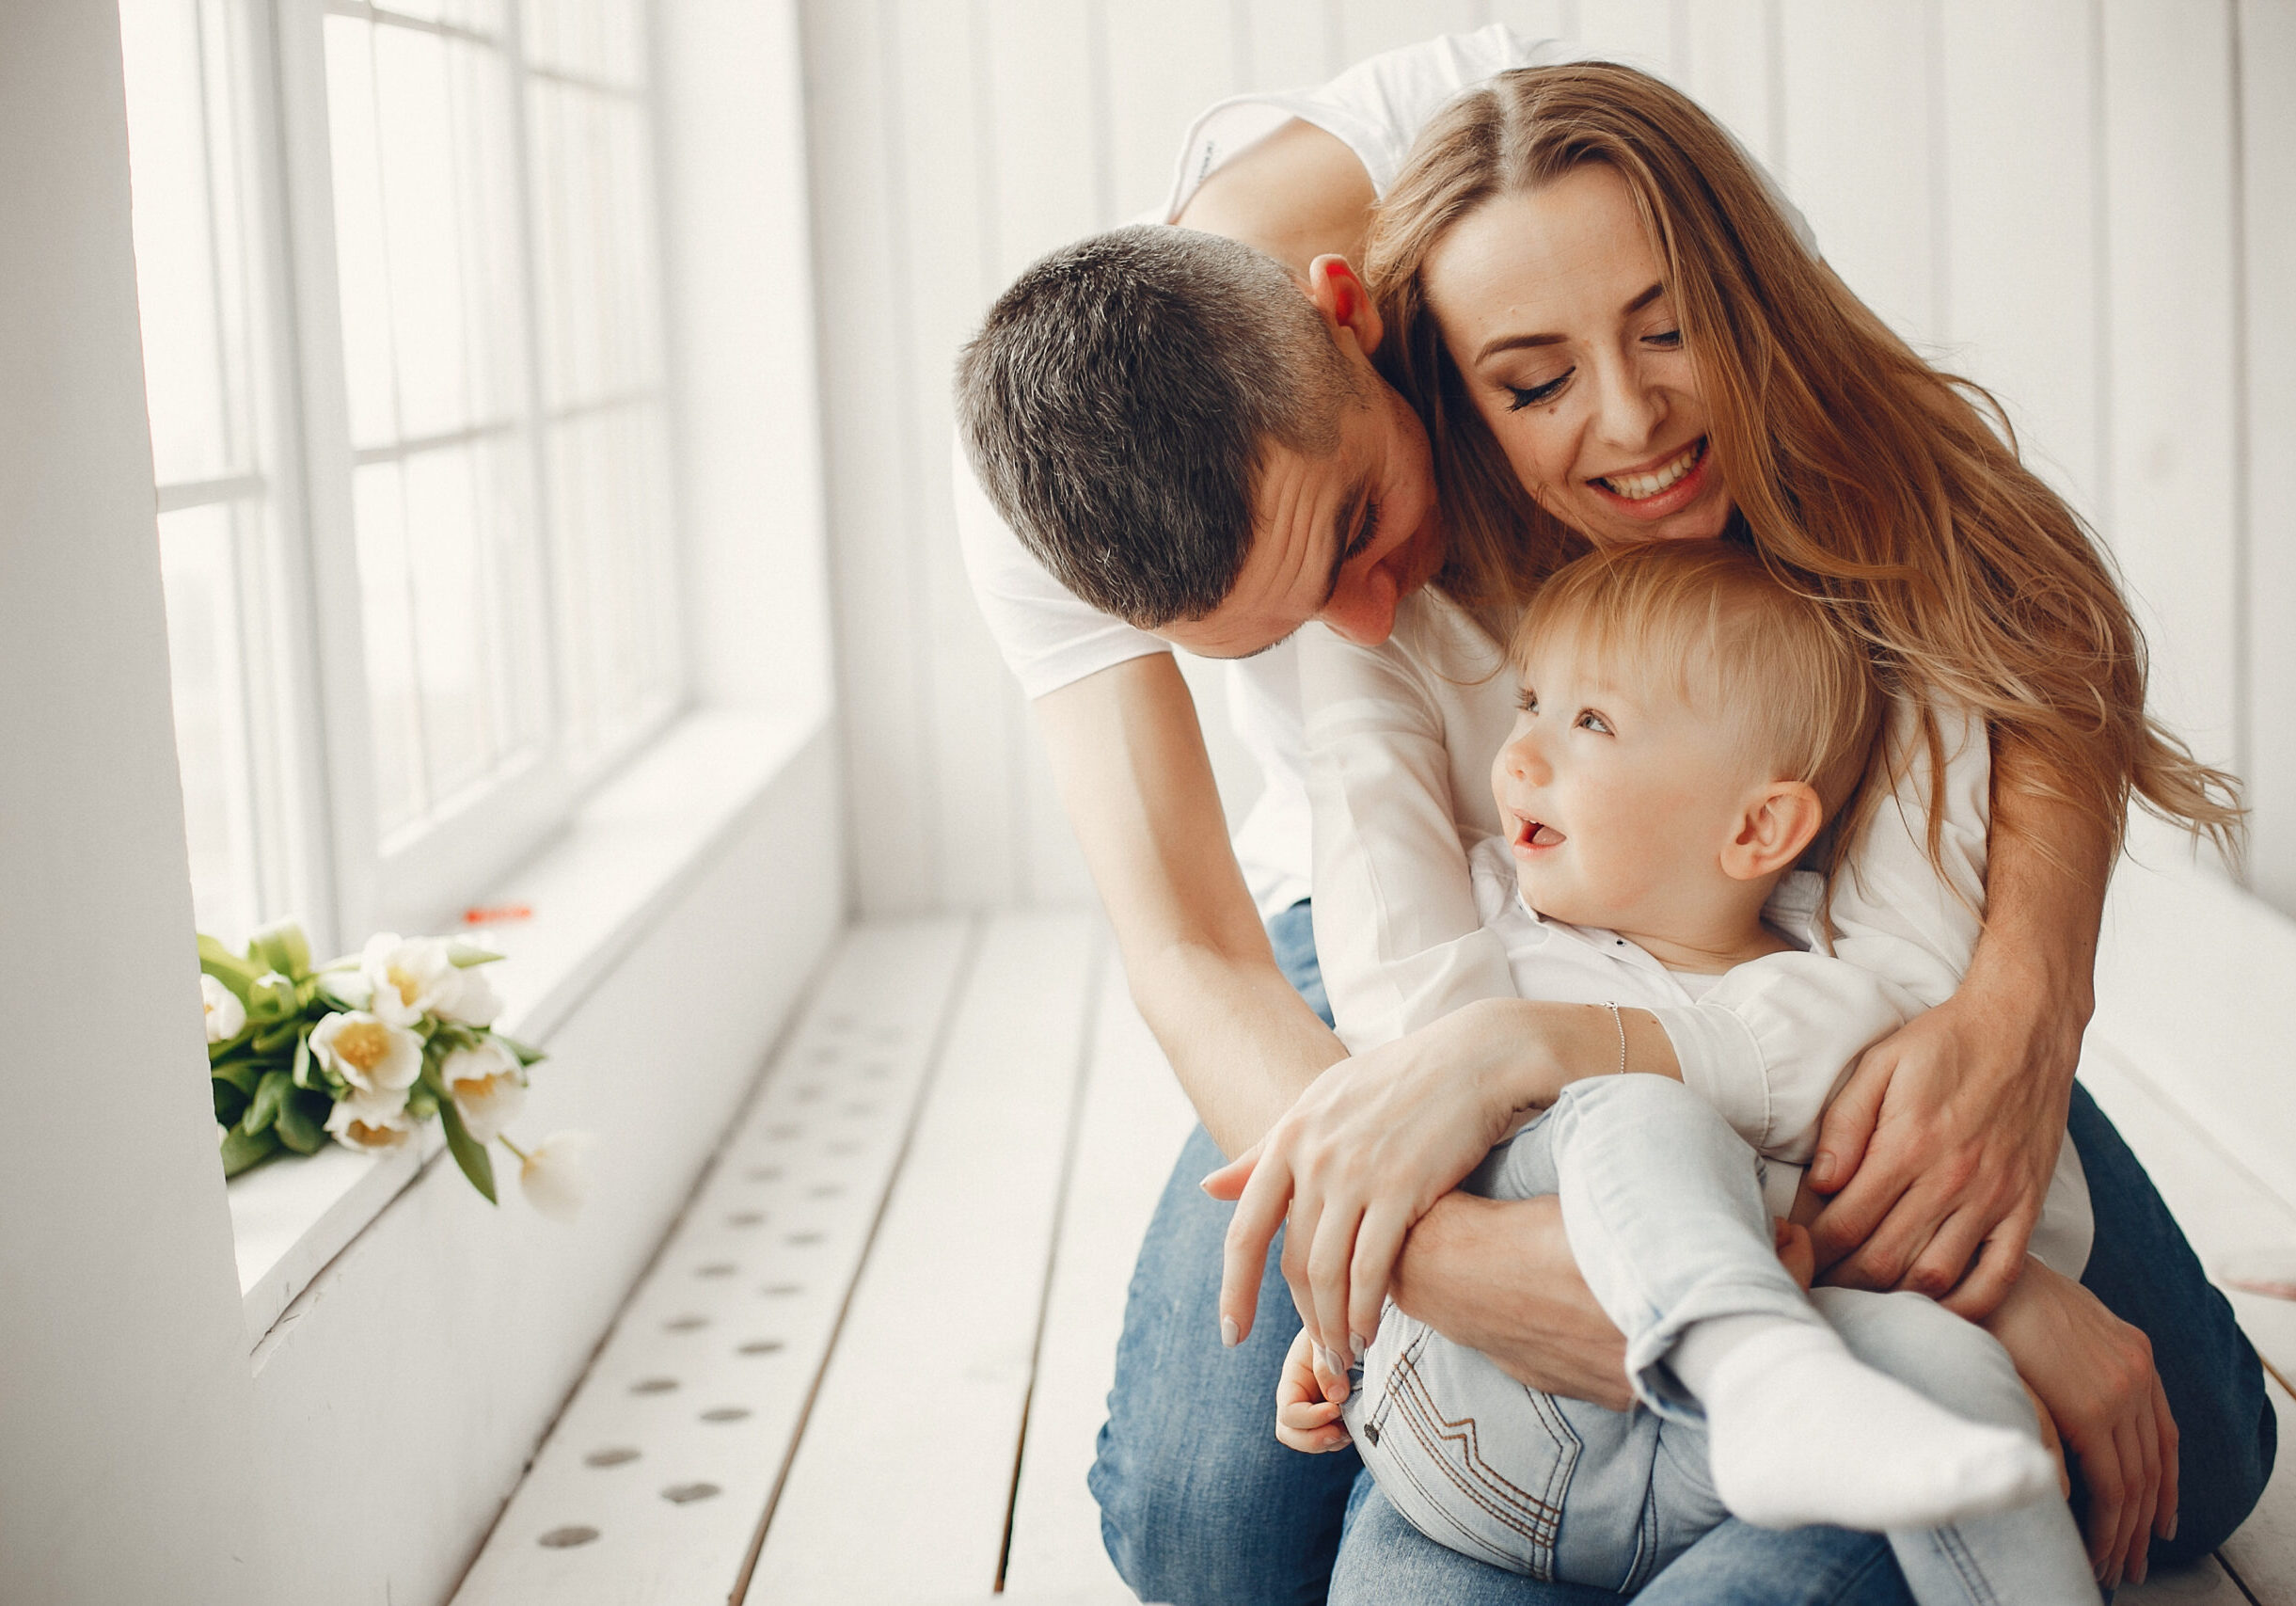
242	1150
284	948
528	1054
241	1074
227	967
302	1120
301	1072
469	1153
270	1094
230	1103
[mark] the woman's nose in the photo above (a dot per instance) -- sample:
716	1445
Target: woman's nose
1629	407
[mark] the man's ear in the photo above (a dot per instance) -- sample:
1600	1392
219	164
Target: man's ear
1780	820
1340	296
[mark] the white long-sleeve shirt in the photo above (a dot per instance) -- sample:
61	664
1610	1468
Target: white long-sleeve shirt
1401	739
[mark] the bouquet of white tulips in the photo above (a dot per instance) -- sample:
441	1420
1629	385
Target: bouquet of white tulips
366	1048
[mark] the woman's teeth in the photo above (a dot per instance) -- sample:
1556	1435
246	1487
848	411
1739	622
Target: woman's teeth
1638	488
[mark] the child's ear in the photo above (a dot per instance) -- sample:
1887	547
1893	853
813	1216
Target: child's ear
1780	819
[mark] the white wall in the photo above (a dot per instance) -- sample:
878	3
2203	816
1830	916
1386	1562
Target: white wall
2084	204
124	1400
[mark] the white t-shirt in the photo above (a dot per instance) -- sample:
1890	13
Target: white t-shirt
1049	638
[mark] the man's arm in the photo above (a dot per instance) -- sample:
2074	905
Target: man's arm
1128	756
1297	195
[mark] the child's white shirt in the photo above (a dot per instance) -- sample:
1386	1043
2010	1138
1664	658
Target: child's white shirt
1401	738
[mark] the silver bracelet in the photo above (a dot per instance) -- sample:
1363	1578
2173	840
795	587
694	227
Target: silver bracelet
1620	1021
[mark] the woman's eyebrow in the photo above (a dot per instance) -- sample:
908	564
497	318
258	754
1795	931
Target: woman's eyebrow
1516	343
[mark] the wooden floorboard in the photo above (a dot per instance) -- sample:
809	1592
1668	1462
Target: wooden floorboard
902	1486
1133	1122
649	1487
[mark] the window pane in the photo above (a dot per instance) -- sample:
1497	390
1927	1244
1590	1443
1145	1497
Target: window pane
211	727
379	507
363	280
449	617
186	236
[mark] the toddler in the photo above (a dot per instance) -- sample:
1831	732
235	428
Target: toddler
1688	728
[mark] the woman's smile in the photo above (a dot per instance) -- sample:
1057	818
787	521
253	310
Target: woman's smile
1660	492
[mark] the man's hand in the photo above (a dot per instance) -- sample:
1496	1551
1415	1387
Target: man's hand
2094	1373
1940	1149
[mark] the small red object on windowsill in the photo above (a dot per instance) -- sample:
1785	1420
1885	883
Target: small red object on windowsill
497	913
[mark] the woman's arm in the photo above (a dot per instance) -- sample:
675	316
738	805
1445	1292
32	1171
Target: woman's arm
1942	1146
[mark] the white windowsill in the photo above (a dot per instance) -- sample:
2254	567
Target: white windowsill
595	891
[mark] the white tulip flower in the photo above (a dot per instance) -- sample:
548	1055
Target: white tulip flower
370	1054
469	998
227	1017
408	977
488	1085
553	1175
371	1127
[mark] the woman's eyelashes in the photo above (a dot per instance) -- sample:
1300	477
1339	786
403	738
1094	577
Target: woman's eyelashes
1537	393
1521	396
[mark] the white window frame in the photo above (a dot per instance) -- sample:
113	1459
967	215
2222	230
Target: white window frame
320	852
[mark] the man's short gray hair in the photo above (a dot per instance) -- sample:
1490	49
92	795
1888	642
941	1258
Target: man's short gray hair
1119	401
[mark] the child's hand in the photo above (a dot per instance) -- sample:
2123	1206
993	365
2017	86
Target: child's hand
1307	1402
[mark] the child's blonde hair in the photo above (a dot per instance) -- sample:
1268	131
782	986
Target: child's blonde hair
1742	644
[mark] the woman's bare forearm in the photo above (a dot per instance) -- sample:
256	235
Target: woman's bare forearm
2049	862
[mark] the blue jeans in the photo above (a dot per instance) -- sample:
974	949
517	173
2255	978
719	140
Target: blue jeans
1201	1505
1667	1221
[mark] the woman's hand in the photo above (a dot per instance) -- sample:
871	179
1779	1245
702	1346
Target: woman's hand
2093	1374
1361	1155
1940	1148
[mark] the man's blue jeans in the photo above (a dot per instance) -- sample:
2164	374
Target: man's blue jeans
1201	1505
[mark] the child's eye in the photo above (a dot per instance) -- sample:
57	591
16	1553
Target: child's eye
1526	700
1589	719
1536	393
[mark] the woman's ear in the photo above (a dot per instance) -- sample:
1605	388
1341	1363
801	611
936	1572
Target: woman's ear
1780	819
1340	296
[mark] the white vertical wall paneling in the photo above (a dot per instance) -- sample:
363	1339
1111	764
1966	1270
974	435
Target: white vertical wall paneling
972	709
860	241
2267	165
2169	242
1724	62
2021	230
1857	157
1287	43
1369	27
1165	63
1641	33
1538	18
1050	142
747	396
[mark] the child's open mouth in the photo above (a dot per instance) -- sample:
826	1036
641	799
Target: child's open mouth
1536	834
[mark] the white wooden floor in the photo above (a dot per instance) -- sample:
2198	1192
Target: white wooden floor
870	1361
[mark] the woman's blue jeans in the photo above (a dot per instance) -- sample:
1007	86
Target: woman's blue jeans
1200	1506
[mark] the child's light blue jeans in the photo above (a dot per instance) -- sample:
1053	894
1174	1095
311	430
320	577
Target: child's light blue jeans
1667	1222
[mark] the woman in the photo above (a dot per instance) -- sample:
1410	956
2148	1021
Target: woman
1614	336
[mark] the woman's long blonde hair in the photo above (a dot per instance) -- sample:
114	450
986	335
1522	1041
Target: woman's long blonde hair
1861	475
